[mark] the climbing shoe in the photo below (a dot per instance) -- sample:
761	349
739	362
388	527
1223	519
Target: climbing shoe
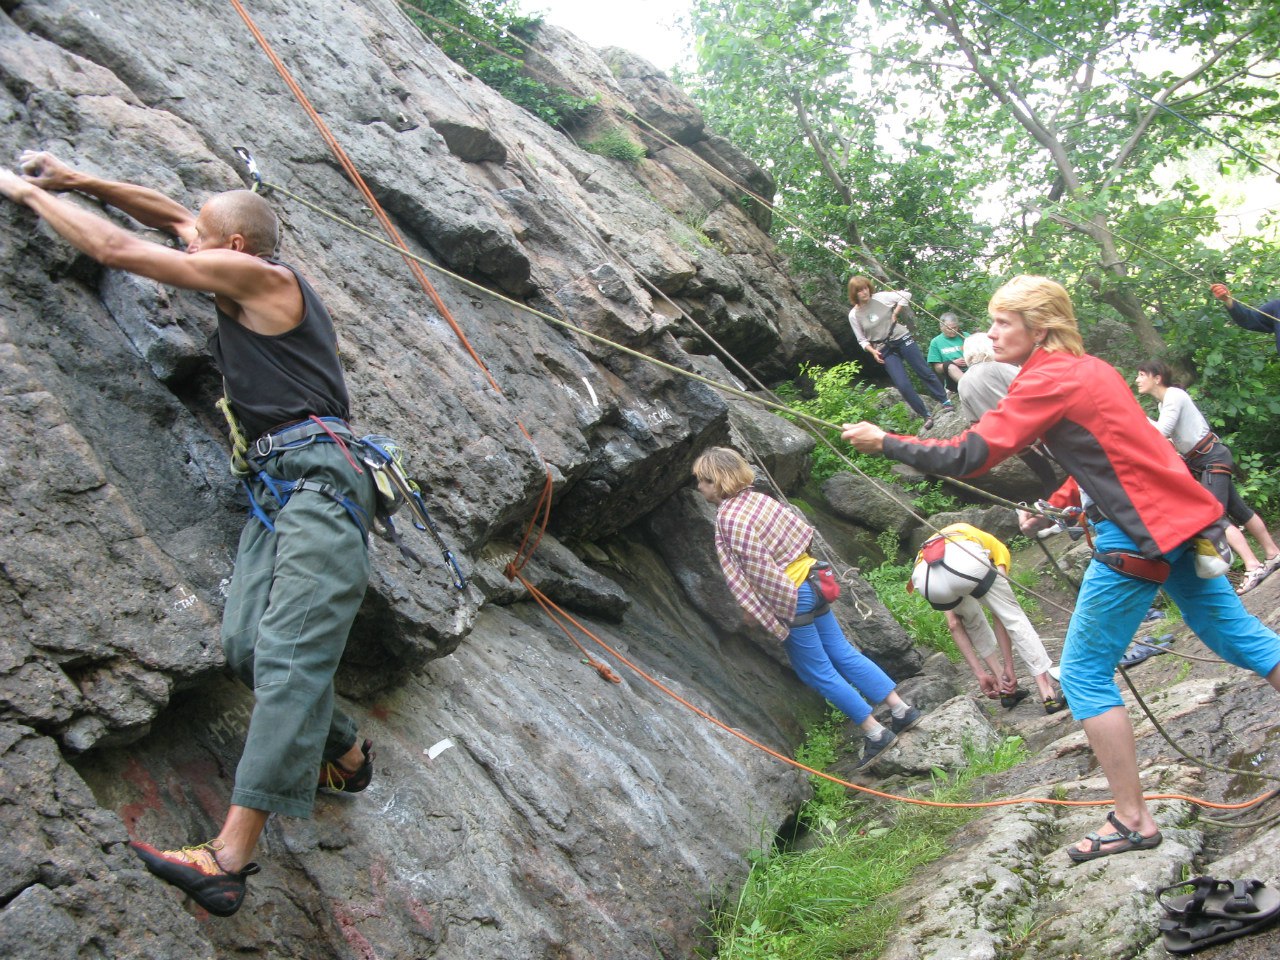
1053	705
903	724
333	777
1011	700
196	872
872	747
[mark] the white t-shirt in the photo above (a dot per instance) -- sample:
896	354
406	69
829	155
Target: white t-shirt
1181	421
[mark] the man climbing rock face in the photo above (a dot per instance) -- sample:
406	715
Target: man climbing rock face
302	564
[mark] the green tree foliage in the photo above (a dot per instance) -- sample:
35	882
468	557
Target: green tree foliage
483	36
775	79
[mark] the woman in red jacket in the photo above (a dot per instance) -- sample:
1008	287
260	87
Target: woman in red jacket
1147	510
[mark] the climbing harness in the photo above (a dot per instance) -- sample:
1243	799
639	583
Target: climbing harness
382	455
947	572
295	437
1134	565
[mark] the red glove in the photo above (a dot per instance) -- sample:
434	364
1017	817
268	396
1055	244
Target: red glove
1220	291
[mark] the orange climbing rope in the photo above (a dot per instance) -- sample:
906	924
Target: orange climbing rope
542	509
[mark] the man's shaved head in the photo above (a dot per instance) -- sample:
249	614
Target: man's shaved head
246	213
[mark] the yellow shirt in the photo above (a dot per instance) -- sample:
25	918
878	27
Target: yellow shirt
998	552
798	569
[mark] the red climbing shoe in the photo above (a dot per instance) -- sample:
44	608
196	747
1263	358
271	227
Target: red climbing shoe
196	872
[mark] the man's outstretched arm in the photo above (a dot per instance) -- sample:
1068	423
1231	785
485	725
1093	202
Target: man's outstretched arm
239	276
149	207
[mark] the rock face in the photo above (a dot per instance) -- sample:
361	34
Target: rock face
558	814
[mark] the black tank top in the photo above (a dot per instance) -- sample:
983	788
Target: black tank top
273	380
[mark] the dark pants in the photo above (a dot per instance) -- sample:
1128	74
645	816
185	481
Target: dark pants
1215	470
902	353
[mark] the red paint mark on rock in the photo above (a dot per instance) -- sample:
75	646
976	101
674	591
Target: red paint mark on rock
347	924
200	778
138	776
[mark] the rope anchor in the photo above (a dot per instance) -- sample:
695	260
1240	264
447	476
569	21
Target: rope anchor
246	158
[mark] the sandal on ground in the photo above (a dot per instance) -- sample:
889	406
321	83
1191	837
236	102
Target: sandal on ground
1145	649
1215	911
1109	844
1259	573
197	873
334	777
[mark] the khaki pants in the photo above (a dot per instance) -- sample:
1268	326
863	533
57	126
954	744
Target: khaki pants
1001	602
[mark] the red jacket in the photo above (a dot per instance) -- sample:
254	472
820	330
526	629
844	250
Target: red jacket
1082	408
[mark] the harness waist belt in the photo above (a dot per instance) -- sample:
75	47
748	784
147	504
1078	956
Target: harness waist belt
1203	445
1135	565
804	619
286	437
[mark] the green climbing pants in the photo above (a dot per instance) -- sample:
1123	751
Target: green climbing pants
293	596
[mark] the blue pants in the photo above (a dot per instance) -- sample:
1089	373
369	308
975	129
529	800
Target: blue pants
898	355
1111	607
831	665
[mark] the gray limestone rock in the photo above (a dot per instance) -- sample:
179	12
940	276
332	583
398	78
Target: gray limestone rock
870	502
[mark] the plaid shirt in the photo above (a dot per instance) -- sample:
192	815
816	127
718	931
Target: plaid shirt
756	538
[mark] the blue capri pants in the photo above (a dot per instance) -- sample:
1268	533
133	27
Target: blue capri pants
831	665
1110	609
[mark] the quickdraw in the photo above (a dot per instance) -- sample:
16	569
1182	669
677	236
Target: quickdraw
385	460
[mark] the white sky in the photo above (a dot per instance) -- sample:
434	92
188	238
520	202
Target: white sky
646	27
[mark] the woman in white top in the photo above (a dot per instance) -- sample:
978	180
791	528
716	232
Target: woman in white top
1211	463
875	322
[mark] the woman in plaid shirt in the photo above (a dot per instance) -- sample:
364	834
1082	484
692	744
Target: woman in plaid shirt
763	550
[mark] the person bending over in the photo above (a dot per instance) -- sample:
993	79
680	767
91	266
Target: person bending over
874	318
962	570
1147	510
1211	463
763	551
301	571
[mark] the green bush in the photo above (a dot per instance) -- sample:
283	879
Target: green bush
838	398
486	38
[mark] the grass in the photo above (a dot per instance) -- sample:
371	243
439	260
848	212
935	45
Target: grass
829	901
616	144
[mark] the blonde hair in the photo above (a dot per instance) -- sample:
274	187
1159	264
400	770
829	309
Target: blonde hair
859	283
1045	307
724	469
248	214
